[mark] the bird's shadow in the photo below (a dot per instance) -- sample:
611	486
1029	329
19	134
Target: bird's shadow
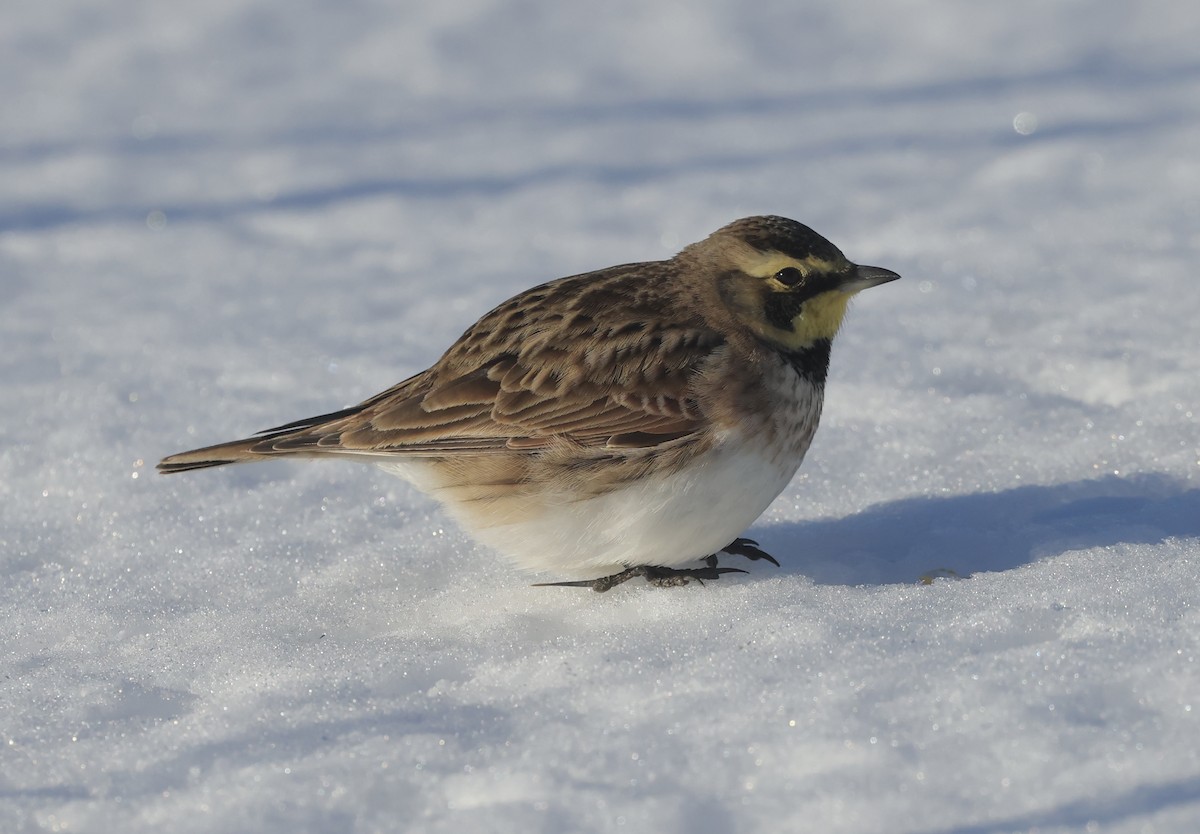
902	541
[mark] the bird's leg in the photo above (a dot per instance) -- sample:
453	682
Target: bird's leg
673	577
657	576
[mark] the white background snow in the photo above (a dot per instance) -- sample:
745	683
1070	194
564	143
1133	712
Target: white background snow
217	217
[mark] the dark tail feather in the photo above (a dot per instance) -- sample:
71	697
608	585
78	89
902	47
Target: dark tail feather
239	451
290	439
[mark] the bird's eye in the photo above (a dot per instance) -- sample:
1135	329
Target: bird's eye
789	276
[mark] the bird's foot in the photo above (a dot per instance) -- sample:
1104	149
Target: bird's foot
743	547
657	576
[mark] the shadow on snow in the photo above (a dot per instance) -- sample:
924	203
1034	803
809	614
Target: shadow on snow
900	541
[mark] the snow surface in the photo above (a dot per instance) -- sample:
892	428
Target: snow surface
220	216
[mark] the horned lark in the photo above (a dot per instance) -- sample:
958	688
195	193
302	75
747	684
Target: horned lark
622	423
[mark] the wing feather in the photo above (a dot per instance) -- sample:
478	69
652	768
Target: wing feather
590	359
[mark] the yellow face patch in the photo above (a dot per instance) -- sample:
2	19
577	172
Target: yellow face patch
792	317
820	318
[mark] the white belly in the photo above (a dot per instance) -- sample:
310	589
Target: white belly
668	522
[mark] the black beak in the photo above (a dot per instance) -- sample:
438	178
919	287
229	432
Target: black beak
864	277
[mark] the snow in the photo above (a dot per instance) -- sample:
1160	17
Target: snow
218	217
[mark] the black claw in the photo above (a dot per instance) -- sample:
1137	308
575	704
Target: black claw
659	577
580	583
748	548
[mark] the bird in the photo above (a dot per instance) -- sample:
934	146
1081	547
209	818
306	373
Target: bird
630	422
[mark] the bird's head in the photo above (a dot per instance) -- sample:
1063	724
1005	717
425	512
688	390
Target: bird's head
782	280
